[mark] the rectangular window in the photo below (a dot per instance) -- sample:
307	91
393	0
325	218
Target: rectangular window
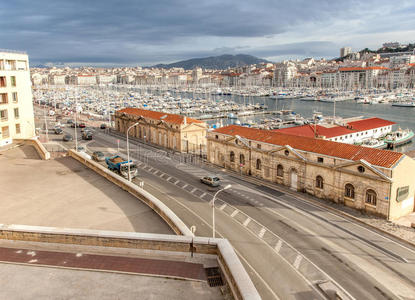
3	98
5	132
3	81
258	146
17	128
320	159
402	193
3	115
16	113
14	97
13	80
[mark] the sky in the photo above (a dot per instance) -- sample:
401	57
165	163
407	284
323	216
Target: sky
143	33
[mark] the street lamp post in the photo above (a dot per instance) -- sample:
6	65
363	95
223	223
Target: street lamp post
213	207
128	151
76	121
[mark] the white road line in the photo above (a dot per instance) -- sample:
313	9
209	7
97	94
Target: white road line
161	174
234	213
297	261
262	232
185	186
223	206
194	189
278	246
247	222
204	194
177	181
168	178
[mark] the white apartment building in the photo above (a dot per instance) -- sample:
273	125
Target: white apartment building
345	51
16	107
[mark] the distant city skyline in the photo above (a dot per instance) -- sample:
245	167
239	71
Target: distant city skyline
101	33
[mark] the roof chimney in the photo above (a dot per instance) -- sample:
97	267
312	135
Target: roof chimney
185	120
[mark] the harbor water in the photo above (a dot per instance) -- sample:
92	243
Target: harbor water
404	117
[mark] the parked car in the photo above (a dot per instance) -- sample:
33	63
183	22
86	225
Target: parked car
70	121
81	149
103	126
210	180
87	135
82	125
98	156
67	138
73	125
58	130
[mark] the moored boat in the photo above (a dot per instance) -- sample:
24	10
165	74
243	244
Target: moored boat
399	137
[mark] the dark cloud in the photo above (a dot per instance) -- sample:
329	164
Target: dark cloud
140	31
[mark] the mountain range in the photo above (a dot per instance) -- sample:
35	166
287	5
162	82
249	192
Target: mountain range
215	62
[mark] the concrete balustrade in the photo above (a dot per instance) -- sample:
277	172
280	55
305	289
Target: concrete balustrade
40	149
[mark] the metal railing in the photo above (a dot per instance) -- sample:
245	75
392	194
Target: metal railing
12	51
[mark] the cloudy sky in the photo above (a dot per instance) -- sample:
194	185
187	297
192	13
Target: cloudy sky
137	32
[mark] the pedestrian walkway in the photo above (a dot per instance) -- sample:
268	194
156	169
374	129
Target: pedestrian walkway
165	268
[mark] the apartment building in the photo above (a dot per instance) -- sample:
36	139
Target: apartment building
16	107
376	181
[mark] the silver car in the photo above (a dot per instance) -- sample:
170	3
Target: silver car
210	180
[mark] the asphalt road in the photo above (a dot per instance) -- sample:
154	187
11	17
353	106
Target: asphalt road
291	248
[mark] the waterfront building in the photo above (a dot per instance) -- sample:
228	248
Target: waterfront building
375	181
349	131
16	108
345	51
169	131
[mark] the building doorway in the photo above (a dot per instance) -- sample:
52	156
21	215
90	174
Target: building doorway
294	179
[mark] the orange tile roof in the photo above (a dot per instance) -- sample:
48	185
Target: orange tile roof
362	68
330	132
156	115
376	157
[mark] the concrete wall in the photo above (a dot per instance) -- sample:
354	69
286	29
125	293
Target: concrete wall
159	207
402	177
40	149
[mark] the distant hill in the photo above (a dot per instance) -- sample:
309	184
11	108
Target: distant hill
215	62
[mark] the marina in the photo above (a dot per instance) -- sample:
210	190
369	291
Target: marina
220	108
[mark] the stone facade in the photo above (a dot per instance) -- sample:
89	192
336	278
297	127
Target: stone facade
169	131
355	183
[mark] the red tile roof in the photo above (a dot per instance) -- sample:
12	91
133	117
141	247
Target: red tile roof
376	157
355	126
362	68
156	115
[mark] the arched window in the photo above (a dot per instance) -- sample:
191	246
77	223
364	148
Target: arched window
319	182
349	191
232	156
371	197
280	171
258	164
242	159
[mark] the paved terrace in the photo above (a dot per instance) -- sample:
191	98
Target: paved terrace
64	193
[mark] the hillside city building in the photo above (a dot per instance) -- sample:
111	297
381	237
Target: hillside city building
16	108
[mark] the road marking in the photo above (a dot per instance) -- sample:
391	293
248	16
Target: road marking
223	206
194	189
185	186
204	194
247	222
151	169
156	173
161	174
234	213
297	261
177	181
168	178
278	246
262	232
